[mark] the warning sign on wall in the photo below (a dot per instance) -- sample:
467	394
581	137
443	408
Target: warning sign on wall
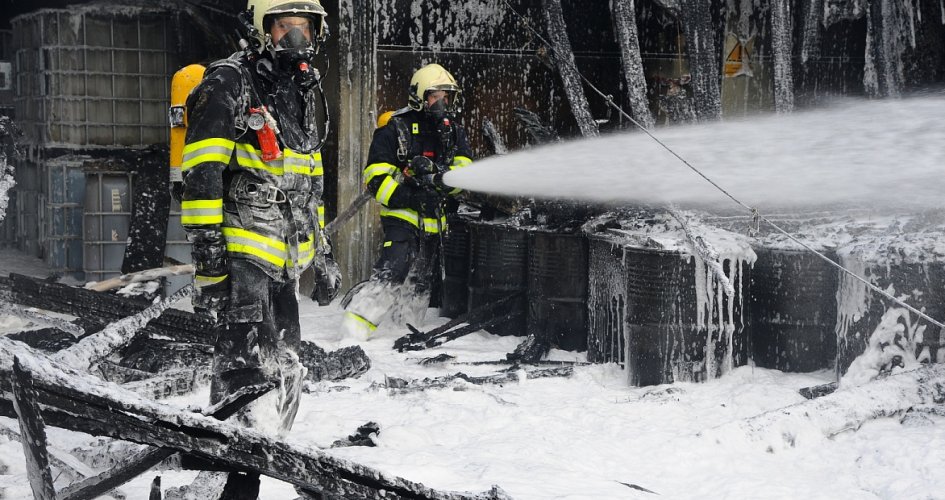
738	56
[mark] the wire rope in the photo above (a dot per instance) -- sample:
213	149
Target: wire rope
754	211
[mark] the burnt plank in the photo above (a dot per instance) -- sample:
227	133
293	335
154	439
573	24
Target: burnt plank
33	432
155	489
79	401
96	486
180	325
94	348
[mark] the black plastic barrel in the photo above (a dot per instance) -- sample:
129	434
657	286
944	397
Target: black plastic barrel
557	289
793	311
659	337
606	302
923	283
497	268
455	299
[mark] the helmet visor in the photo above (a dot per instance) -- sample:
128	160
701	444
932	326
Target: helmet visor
441	98
292	31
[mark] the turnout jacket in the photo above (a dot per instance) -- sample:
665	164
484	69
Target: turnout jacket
270	213
388	175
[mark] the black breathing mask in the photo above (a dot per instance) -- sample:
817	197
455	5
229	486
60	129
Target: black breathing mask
294	48
439	110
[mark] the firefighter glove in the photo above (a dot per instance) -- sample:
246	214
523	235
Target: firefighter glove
208	251
327	282
211	294
424	200
211	286
437	180
422	166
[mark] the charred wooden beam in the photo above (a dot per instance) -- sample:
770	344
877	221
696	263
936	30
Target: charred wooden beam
170	383
23	312
33	430
79	401
484	316
97	347
632	61
94	487
53	339
179	325
155	489
396	385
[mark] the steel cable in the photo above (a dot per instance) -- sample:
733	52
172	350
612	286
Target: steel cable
755	212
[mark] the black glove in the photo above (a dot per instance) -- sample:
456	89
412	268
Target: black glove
422	166
208	251
424	200
437	180
211	283
327	282
211	294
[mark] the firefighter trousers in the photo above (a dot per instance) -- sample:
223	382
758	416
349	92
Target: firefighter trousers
399	287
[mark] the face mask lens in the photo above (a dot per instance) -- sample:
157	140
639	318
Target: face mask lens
439	106
292	32
294	39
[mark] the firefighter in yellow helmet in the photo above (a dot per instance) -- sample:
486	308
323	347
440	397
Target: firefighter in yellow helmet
252	206
406	163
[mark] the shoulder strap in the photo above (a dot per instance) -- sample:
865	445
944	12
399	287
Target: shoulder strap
404	137
243	99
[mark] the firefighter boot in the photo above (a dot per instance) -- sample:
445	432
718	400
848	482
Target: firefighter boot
366	310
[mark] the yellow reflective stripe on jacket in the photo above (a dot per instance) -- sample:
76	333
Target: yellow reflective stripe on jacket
317	167
247	156
201	212
386	190
306	251
411	216
376	169
219	150
304	164
202	281
321	217
267	249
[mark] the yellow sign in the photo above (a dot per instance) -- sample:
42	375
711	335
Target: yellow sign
738	56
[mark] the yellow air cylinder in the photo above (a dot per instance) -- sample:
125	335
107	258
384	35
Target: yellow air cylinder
384	118
183	82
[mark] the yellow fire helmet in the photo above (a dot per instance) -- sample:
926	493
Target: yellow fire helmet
262	9
427	79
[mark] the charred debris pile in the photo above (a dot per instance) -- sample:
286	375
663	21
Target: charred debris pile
105	373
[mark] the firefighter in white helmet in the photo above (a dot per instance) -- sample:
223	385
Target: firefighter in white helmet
252	206
406	163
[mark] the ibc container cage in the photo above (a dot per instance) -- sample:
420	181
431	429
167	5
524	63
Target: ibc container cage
108	197
27	221
98	75
62	231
